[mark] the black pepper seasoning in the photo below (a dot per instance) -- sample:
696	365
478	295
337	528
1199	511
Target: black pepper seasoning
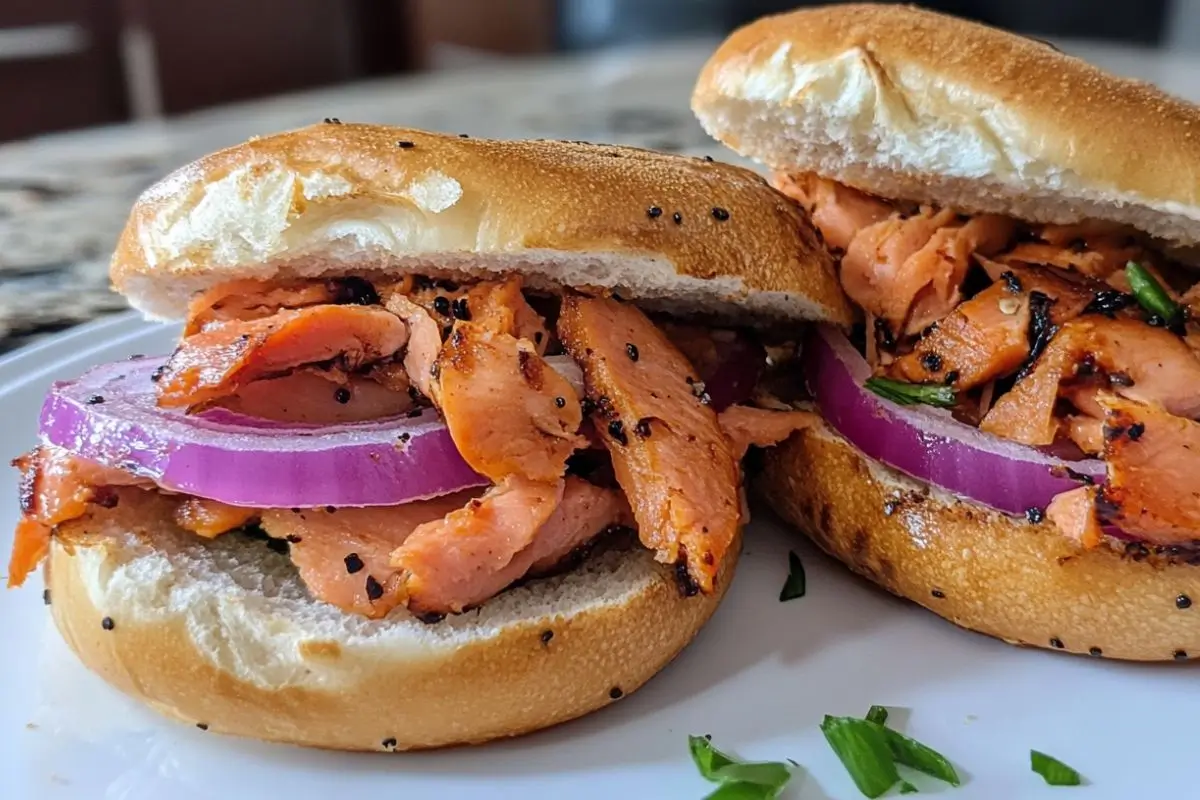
653	212
615	693
709	159
631	351
353	563
678	217
441	304
459	309
332	121
1056	643
616	429
107	623
931	361
1012	283
890	507
202	726
1136	430
374	588
1035	514
342	395
560	402
95	400
46	596
1183	602
158	372
720	214
642	428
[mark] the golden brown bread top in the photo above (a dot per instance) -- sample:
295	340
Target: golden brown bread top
911	103
343	197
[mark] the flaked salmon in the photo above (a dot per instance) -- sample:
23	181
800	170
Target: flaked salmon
209	518
502	307
343	554
322	397
253	299
747	427
56	486
1074	513
1153	460
519	528
1140	362
669	453
988	336
508	412
222	359
838	211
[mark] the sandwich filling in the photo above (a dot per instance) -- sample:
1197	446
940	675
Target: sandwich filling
1076	341
421	443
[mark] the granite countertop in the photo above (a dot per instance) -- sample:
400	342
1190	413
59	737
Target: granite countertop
64	198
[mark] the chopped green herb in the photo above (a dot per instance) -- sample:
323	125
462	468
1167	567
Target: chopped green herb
908	788
911	753
1055	772
739	780
795	584
863	751
1150	294
911	394
870	752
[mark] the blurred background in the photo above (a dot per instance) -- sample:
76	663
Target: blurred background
101	98
73	63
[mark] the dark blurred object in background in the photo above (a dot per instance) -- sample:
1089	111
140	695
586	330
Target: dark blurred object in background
74	63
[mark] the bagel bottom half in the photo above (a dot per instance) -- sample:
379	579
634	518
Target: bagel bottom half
223	635
1004	576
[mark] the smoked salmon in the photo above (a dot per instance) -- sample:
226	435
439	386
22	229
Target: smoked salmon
670	456
507	410
222	359
254	299
343	554
519	528
747	427
838	211
1153	459
323	397
987	337
1074	513
209	519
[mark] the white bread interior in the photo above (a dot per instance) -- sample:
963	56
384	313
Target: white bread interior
222	633
911	104
371	200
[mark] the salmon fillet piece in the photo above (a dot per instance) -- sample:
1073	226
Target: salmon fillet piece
254	299
343	555
838	211
323	397
987	337
1153	462
746	426
1153	365
518	527
55	486
502	307
1074	513
209	518
219	361
507	410
670	456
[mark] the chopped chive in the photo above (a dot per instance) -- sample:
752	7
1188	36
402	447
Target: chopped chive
908	788
909	394
1053	771
878	715
796	582
1150	294
863	751
739	780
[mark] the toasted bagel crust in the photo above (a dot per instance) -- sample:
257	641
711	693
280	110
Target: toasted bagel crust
222	635
368	199
908	103
1022	582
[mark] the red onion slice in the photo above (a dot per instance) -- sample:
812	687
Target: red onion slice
930	444
109	415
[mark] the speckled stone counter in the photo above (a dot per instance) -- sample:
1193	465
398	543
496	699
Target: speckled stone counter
64	198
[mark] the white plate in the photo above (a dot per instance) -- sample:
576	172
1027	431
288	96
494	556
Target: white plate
759	679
